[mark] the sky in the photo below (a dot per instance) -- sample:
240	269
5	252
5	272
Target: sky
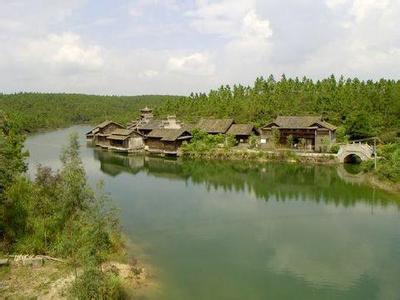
134	47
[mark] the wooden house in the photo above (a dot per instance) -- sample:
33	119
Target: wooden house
125	140
311	130
215	126
242	132
166	141
98	135
146	123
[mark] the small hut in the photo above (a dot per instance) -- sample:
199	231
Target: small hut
98	135
167	141
242	132
125	140
215	126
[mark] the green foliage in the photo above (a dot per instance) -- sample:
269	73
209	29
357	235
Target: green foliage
254	142
302	143
34	111
94	284
325	144
341	136
202	142
276	136
389	164
358	126
230	141
334	148
12	164
61	215
336	99
289	140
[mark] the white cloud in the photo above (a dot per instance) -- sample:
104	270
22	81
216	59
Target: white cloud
222	17
192	64
171	46
361	9
149	74
64	52
336	3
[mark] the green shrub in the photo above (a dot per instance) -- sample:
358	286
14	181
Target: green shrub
389	164
254	141
94	284
334	148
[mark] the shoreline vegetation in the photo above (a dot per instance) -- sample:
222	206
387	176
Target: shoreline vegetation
59	216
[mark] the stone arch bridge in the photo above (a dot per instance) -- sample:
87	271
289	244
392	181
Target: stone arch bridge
355	149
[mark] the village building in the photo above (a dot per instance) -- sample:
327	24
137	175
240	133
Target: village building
310	132
146	122
125	140
166	141
98	135
215	126
242	132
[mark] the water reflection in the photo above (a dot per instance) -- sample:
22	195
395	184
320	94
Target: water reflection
280	182
321	233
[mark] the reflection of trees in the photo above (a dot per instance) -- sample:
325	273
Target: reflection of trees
277	181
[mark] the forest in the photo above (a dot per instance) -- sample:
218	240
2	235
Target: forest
359	108
39	111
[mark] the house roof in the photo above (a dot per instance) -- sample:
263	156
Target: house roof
102	125
118	137
241	129
327	125
215	125
122	131
298	122
169	135
143	125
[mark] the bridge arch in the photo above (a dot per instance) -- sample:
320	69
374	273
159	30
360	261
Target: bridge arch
352	158
349	152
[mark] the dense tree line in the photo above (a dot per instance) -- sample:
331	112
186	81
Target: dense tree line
33	111
361	108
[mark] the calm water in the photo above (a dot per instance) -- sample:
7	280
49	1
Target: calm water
231	230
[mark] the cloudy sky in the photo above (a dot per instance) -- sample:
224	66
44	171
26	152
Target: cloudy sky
132	47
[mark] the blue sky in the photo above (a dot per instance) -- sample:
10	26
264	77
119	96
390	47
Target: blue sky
128	47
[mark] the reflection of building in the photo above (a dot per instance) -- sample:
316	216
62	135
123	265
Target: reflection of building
278	182
312	131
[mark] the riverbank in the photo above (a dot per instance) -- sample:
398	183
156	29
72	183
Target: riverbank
280	155
385	185
39	277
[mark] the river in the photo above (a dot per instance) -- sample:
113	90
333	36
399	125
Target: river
237	230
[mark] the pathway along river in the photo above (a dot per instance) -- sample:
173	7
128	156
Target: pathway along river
230	230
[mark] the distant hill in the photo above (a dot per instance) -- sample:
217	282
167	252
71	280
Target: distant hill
35	111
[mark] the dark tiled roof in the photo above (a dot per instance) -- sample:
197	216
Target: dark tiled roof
300	122
241	129
143	125
215	125
169	134
121	131
326	125
118	137
104	124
